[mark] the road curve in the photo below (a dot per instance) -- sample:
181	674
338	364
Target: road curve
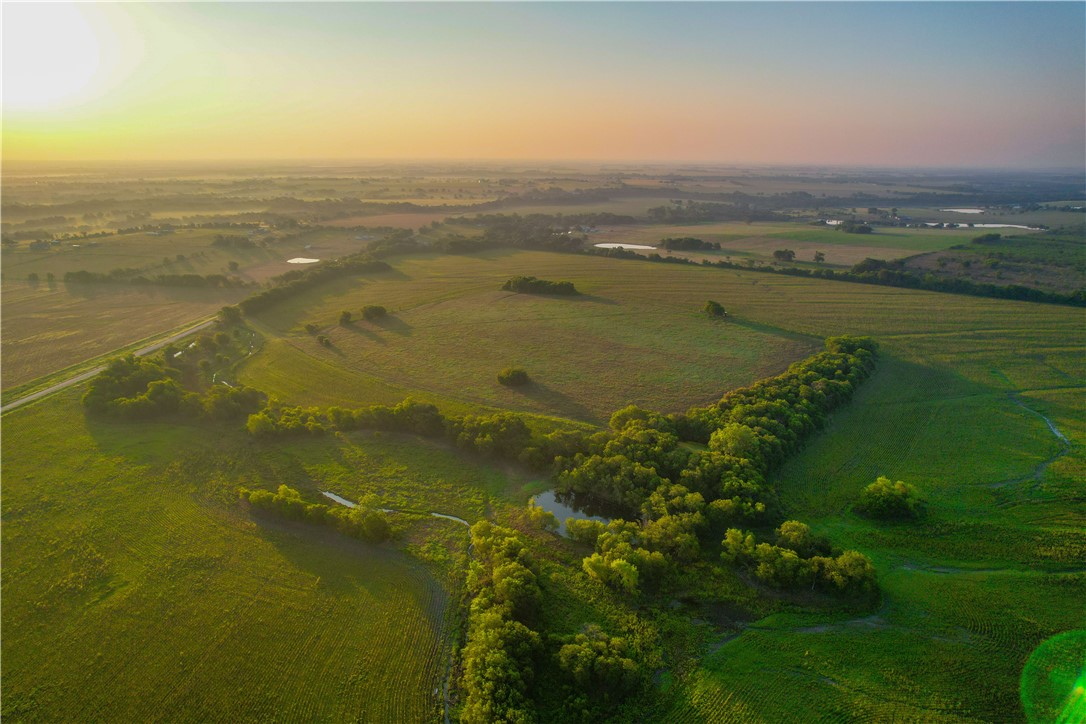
83	376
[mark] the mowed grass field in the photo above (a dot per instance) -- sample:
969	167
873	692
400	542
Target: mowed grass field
136	588
626	339
48	327
958	408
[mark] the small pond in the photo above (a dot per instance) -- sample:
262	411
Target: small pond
965	211
623	246
572	506
302	260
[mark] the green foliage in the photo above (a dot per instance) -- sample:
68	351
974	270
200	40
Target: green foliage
541	518
361	522
373	312
689	243
605	668
714	309
890	501
139	388
532	285
344	317
585	531
501	653
513	377
784	255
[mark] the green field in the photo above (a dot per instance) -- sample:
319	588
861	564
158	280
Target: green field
452	329
134	578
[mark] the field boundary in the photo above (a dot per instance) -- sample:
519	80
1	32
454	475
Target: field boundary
74	374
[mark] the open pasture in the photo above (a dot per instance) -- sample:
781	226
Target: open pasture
136	588
957	407
451	330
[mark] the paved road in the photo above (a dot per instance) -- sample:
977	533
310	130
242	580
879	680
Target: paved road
83	376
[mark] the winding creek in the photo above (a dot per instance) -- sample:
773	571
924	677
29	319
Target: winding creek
1039	470
349	504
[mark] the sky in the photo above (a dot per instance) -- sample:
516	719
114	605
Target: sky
930	84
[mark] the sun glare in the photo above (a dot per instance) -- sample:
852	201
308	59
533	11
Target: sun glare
52	56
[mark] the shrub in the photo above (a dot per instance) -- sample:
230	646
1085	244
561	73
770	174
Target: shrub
890	501
714	309
513	377
344	317
371	312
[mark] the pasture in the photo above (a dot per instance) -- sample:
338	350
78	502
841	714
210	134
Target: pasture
957	407
135	587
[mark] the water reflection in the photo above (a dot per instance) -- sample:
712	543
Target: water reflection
570	505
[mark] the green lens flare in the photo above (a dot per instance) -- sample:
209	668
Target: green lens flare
1053	684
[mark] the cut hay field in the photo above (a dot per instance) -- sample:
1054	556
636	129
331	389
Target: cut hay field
629	338
135	588
48	327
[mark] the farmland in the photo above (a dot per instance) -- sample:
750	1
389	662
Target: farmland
110	526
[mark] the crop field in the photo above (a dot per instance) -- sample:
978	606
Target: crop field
132	579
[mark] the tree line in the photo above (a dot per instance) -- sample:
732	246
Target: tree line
364	521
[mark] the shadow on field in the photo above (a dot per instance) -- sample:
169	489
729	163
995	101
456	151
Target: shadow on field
394	324
363	332
771	330
591	298
337	561
557	402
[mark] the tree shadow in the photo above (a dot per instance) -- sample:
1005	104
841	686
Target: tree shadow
392	323
556	401
363	332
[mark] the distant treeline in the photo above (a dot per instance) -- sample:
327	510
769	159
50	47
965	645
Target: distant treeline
876	271
689	243
212	281
689	211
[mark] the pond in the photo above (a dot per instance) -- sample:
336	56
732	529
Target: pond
572	506
623	246
965	211
302	260
991	226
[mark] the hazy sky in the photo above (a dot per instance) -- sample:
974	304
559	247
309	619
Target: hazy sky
919	84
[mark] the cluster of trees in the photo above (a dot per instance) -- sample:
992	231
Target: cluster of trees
293	282
532	285
420	418
213	281
513	377
714	309
890	501
503	649
689	243
851	226
604	668
784	255
799	559
680	496
142	388
373	312
364	521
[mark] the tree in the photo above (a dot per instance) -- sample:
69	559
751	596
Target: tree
344	317
819	257
889	500
233	266
513	377
784	255
714	309
371	312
